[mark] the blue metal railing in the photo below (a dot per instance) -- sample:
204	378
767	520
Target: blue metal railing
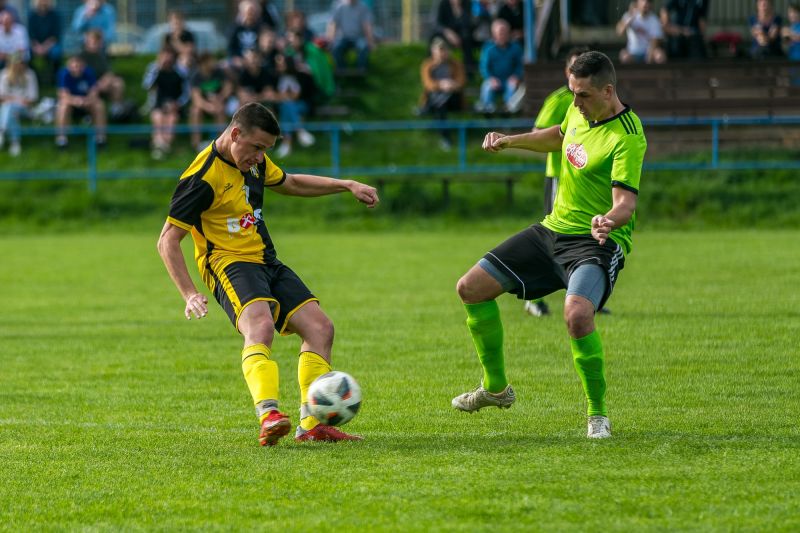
93	174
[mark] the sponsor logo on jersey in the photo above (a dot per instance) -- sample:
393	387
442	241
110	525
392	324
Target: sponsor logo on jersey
573	131
247	221
576	155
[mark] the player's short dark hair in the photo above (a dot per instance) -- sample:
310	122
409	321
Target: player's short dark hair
595	65
575	51
254	115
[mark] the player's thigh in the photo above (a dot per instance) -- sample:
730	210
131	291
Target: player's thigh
255	321
291	295
524	264
239	286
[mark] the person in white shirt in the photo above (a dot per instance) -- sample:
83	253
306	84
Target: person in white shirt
13	39
643	29
18	91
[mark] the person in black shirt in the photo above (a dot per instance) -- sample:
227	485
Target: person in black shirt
44	31
181	40
169	89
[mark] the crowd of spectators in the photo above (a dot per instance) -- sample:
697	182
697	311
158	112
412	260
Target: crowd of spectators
270	58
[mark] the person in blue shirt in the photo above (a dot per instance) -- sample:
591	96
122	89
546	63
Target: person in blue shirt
792	32
501	68
78	94
96	14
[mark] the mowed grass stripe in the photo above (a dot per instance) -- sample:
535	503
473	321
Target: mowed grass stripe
117	413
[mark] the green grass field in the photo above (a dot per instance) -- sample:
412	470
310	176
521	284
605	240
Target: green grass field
118	414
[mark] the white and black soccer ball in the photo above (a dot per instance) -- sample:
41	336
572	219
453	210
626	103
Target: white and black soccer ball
334	398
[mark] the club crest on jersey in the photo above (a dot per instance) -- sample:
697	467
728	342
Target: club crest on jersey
573	131
576	155
254	171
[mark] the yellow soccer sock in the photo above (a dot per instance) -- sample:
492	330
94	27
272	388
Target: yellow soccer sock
310	367
261	374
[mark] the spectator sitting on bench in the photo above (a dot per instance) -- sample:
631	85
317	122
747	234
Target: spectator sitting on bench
501	70
643	30
44	31
211	88
13	38
170	91
109	85
791	32
78	95
443	79
181	40
684	23
765	28
351	27
18	91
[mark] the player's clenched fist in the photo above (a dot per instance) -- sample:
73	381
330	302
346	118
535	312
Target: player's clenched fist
601	227
493	141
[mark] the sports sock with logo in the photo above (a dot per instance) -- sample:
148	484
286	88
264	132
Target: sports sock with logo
483	321
261	375
310	366
589	359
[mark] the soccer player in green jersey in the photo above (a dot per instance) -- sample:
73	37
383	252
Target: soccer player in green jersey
552	113
581	245
220	200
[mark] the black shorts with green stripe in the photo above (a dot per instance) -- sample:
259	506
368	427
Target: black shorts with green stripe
240	284
538	261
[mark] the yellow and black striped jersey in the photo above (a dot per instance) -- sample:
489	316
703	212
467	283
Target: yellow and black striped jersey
222	207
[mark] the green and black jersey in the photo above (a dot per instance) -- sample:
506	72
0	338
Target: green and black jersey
596	157
552	113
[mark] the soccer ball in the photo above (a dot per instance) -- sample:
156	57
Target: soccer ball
334	398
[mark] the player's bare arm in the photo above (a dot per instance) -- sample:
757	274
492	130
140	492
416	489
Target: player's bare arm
169	247
310	185
620	214
543	140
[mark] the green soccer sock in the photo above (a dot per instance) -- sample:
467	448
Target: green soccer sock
483	321
587	354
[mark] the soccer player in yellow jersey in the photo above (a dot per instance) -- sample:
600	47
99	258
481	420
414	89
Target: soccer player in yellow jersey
220	200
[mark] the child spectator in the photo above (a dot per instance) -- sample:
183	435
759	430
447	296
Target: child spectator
308	56
18	91
211	88
643	30
78	95
170	93
109	85
257	83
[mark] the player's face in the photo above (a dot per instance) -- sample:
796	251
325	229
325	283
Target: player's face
591	101
247	148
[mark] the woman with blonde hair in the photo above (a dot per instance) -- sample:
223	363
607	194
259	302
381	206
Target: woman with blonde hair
18	91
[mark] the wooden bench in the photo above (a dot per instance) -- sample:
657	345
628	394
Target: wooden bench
691	89
447	180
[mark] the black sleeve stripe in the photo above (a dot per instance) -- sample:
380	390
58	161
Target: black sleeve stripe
283	178
192	196
625	124
629	123
625	186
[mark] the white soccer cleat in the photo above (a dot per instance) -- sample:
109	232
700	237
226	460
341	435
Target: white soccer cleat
479	398
599	427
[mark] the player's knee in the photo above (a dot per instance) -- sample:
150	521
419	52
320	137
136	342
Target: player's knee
579	317
465	290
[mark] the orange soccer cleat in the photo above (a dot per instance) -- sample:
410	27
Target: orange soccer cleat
273	428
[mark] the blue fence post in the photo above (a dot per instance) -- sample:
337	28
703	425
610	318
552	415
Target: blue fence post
715	144
336	156
91	153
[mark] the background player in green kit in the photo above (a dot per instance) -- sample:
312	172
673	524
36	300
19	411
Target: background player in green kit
552	113
580	246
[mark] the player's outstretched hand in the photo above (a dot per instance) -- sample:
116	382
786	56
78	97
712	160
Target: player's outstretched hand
601	227
196	303
365	194
493	142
